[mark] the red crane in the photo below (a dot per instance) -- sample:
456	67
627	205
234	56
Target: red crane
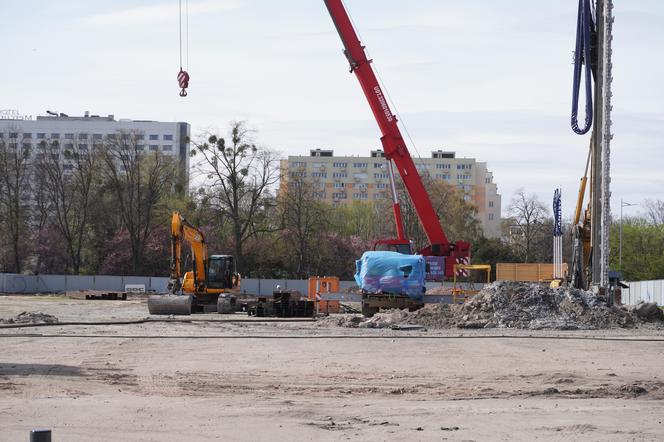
396	152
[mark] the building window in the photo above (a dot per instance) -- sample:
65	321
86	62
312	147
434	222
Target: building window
168	137
82	147
139	137
97	137
82	136
339	196
298	174
339	185
379	176
340	165
464	177
381	186
490	203
26	145
443	176
320	195
67	166
360	185
167	147
360	165
154	147
339	175
13	135
154	137
464	166
379	196
360	196
491	217
27	135
379	165
319	174
55	136
41	135
443	166
69	136
69	146
298	164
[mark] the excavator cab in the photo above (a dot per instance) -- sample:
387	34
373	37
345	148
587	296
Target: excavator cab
221	269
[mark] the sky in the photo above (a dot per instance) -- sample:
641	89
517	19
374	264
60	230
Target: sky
487	79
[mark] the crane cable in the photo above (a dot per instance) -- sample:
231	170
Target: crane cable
586	43
183	76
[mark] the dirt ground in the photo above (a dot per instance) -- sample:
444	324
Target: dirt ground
233	378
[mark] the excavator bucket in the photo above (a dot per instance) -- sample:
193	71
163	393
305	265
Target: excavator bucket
170	304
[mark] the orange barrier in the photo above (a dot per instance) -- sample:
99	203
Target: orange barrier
323	284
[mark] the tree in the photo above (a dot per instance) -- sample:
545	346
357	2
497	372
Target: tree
654	211
527	218
68	182
138	181
240	175
15	172
303	219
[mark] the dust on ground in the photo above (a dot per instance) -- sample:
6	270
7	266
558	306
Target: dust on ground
516	305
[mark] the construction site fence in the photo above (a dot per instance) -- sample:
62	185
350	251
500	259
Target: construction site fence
647	291
31	284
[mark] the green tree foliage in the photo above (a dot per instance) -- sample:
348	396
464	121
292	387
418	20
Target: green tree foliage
642	248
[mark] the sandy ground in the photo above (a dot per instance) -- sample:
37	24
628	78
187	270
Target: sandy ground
213	379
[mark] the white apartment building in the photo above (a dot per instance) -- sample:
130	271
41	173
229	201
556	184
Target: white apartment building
81	133
341	180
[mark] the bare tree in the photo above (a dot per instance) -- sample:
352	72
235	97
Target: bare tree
139	181
15	170
240	175
68	181
528	216
304	219
654	211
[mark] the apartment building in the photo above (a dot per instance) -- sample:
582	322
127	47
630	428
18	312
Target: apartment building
82	133
343	179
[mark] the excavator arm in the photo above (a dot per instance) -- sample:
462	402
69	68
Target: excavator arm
394	146
182	231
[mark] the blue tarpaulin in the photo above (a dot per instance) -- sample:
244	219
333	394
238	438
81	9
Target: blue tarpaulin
391	272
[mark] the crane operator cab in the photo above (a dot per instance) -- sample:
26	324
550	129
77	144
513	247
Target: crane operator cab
394	245
221	272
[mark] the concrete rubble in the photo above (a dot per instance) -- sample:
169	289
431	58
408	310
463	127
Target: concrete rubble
516	305
30	318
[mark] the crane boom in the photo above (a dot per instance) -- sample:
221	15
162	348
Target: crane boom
394	145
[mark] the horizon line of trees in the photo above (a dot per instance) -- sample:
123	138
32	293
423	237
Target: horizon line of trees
105	210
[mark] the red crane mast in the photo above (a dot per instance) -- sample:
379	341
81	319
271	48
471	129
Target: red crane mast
394	147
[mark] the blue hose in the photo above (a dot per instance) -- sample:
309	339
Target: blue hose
583	54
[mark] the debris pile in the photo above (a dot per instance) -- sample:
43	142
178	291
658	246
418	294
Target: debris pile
516	305
31	318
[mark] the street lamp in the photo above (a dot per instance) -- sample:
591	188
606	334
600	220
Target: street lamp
622	204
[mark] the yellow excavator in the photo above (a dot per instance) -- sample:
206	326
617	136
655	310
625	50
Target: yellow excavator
209	287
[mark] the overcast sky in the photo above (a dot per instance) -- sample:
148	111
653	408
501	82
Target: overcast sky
488	79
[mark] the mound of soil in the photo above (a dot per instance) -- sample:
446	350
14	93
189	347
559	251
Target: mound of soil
31	318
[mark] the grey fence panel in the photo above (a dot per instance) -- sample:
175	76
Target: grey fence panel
648	291
249	286
158	284
47	283
74	283
301	286
109	283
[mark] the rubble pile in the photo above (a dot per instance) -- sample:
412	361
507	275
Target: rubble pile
533	306
516	305
30	318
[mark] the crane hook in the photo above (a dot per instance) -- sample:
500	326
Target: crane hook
183	81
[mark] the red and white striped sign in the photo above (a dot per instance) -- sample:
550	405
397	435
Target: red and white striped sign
463	260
